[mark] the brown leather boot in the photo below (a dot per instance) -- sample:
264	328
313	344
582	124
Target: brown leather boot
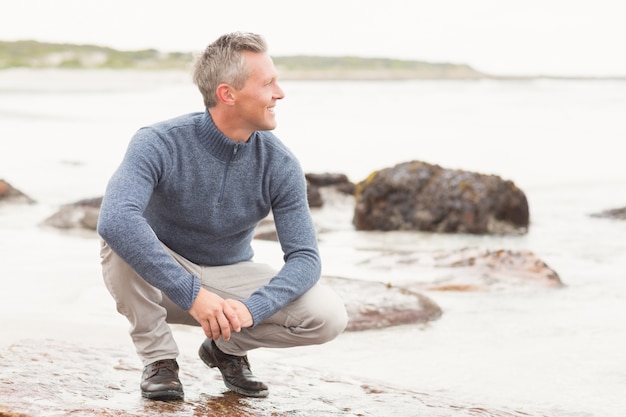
160	381
235	370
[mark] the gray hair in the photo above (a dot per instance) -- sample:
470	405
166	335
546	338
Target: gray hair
222	62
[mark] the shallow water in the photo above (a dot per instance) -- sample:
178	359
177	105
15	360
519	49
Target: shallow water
559	352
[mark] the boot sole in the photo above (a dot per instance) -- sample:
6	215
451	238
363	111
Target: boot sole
163	395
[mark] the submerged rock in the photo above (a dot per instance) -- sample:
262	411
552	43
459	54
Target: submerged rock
373	305
467	269
493	270
41	378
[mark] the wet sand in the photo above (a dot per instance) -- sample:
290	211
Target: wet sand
53	377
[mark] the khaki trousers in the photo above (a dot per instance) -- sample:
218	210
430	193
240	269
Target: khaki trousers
318	316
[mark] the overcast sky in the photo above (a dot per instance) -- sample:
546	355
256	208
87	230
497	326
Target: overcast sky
505	37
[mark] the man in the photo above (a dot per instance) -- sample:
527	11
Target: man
177	221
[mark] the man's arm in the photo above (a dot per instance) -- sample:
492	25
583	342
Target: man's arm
122	224
125	229
298	240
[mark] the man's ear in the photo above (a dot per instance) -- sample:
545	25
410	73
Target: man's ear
225	94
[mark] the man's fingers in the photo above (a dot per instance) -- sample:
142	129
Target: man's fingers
233	318
214	329
206	327
224	326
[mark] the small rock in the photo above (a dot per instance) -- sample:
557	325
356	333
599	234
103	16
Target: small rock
82	214
10	194
616	214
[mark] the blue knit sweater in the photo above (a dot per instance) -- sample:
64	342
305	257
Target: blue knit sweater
183	183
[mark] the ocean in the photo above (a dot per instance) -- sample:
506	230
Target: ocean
557	352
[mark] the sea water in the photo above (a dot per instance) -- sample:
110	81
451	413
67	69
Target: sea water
557	352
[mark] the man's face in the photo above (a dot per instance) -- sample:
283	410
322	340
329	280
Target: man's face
256	100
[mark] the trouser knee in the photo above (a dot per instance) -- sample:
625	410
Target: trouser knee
333	326
328	316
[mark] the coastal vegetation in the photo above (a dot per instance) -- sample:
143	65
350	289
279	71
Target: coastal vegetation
39	55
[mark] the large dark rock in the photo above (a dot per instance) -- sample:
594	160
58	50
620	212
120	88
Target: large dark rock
420	196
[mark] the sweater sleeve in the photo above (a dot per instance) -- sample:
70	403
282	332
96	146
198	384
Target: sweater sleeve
122	224
298	240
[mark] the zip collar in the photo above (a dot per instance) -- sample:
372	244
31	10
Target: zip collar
218	144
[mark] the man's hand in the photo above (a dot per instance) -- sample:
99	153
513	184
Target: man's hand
245	318
216	315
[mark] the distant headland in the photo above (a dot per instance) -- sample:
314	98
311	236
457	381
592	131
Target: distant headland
41	55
